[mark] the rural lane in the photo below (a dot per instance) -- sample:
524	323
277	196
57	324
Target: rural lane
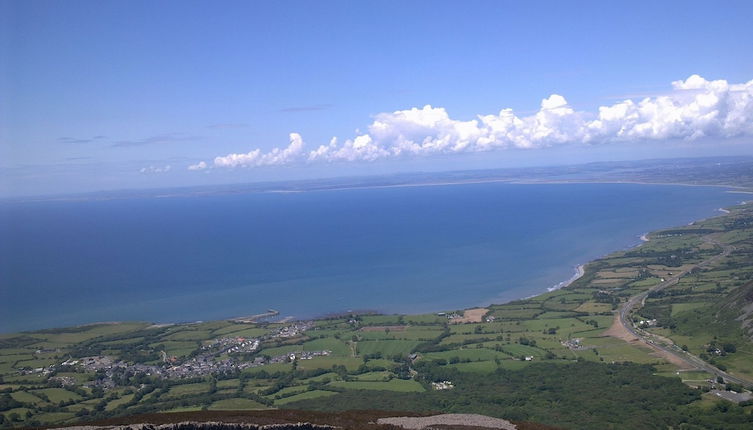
648	339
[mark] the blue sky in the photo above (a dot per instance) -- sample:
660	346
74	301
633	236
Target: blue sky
126	94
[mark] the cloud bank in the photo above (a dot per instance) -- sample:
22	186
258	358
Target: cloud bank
693	109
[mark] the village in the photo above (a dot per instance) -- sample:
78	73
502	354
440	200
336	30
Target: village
215	357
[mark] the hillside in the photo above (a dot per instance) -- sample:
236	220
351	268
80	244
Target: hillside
707	312
739	305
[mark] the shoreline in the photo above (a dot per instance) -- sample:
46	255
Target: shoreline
645	237
579	272
580	269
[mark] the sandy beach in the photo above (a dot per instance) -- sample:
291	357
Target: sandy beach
580	270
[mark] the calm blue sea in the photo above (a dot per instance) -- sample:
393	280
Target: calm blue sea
411	249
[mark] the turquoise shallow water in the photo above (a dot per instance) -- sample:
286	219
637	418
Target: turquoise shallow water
411	249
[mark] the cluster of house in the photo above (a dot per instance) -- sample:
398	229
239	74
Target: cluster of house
110	366
205	363
63	380
198	366
647	323
442	385
454	315
93	363
294	329
307	355
233	344
38	370
573	344
714	350
450	316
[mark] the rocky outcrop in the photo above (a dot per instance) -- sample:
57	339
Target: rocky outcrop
449	421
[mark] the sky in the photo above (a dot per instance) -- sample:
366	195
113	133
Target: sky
105	95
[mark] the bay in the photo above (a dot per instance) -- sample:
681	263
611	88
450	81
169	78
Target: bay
394	250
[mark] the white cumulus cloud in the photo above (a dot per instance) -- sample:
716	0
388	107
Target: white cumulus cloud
694	108
256	157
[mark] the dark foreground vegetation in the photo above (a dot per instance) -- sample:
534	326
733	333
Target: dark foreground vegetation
583	395
277	419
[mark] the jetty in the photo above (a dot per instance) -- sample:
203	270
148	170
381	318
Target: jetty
255	318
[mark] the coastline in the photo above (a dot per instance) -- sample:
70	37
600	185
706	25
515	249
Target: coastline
645	237
577	272
580	270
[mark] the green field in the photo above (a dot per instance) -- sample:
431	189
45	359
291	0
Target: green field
26	397
184	389
337	347
236	404
119	401
399	385
57	394
304	396
387	348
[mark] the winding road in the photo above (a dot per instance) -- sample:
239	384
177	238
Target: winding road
666	345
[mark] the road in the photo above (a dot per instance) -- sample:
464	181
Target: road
670	348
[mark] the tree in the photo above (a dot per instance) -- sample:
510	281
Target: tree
101	406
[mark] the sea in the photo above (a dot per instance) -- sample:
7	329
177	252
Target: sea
412	249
